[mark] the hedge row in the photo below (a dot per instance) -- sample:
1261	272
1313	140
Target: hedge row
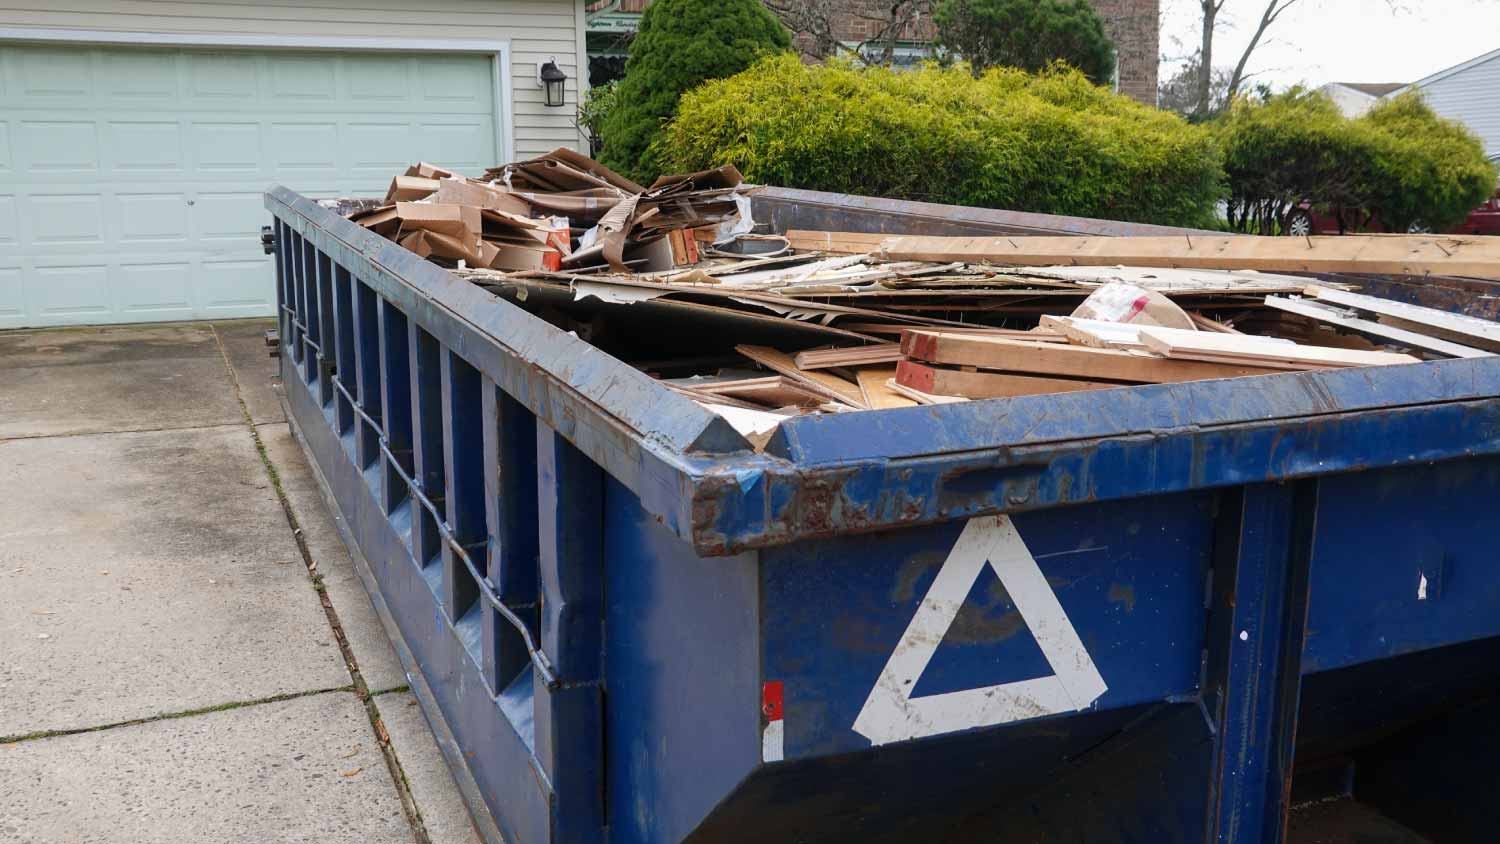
1050	142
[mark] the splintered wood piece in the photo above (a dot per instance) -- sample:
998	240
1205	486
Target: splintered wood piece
857	356
1200	345
1375	254
831	386
1069	361
985	385
872	382
920	397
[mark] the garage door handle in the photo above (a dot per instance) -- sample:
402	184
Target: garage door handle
268	240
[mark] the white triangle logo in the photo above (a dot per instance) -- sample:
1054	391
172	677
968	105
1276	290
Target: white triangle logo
890	712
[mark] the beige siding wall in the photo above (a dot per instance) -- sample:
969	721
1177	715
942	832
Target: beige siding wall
536	29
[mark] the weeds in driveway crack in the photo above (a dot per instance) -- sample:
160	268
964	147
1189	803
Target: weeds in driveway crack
359	687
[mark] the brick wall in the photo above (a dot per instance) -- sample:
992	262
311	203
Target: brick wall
1134	27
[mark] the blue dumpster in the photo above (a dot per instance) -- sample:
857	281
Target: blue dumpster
1158	614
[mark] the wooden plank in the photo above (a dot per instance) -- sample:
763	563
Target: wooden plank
1342	319
832	386
839	243
872	383
1454	324
858	356
1226	347
920	397
1120	335
774	390
985	385
1039	336
1073	361
1381	254
1206	324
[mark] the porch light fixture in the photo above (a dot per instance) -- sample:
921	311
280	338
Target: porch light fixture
551	78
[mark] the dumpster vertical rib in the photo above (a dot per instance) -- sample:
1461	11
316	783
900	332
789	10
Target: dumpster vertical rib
395	397
427	440
327	335
367	364
570	719
463	438
511	522
343	341
1255	644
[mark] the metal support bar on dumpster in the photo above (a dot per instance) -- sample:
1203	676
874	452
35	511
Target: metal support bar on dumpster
1255	647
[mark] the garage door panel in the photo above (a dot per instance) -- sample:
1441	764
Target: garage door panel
152	218
452	80
220	148
300	146
9	220
49	74
379	80
131	178
229	217
73	219
305	78
12	298
70	293
218	78
135	147
58	147
155	291
140	79
234	285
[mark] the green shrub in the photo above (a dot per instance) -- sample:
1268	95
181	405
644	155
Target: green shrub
681	43
1423	170
1050	143
594	110
1296	146
1027	34
1399	164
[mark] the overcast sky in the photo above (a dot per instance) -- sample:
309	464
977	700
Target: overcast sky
1320	41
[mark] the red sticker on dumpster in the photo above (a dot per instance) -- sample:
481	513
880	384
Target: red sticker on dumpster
771	700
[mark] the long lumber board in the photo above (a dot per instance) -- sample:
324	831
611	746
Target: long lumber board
829	385
933	380
1071	361
1122	335
1379	254
857	356
1335	316
1201	344
1452	324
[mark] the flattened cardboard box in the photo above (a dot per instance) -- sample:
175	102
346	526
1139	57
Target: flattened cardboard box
465	192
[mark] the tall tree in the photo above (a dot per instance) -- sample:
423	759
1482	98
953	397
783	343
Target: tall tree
1028	34
681	44
823	27
1207	105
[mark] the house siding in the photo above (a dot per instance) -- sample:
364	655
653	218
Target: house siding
1472	97
537	30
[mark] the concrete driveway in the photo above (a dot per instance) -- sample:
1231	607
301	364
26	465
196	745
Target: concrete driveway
186	653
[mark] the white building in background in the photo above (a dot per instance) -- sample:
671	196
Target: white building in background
1469	93
1356	98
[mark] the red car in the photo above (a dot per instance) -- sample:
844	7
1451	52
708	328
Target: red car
1303	220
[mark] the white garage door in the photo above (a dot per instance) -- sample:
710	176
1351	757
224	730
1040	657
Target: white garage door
131	178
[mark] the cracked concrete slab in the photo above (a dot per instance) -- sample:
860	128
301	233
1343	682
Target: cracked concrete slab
362	628
149	573
257	373
303	770
432	787
113	379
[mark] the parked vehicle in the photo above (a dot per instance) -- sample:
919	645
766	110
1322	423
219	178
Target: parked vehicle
1305	220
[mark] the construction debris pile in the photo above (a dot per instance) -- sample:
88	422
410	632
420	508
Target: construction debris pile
675	280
